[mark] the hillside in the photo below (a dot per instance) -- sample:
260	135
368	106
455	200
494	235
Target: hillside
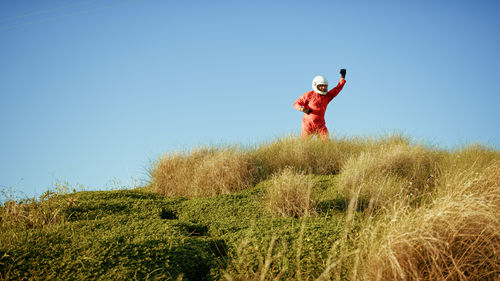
290	209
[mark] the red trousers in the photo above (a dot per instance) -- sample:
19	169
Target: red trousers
309	131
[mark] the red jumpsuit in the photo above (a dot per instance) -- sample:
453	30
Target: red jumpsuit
314	122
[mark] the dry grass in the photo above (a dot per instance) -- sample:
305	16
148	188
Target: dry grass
33	213
310	155
255	262
388	172
289	194
211	171
431	214
472	157
456	237
203	172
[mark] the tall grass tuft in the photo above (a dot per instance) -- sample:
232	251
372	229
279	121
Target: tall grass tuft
256	262
289	194
37	212
454	237
455	240
203	172
307	155
388	172
211	171
475	156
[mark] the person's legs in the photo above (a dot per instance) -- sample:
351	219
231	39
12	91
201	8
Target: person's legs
323	133
306	131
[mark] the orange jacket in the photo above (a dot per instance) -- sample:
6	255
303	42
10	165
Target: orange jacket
317	103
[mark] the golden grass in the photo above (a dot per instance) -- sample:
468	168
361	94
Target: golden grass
455	237
204	172
289	194
431	214
388	172
308	155
256	262
210	171
33	213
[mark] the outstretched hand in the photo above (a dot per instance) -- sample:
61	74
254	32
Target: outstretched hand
342	72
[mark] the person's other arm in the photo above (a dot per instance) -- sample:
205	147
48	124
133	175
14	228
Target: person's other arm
301	104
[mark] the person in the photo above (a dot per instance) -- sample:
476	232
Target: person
314	103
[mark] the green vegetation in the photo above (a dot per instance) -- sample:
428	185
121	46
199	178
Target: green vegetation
291	209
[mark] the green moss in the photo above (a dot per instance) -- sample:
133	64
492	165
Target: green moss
127	234
110	235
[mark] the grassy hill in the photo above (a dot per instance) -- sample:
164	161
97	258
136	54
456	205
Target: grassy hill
290	209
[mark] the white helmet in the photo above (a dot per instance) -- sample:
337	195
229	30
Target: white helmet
319	80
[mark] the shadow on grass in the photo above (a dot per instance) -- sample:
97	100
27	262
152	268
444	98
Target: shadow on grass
167	214
75	213
192	229
340	205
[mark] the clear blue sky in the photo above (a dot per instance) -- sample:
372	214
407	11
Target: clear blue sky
92	91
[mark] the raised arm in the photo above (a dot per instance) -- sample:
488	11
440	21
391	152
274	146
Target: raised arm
335	91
